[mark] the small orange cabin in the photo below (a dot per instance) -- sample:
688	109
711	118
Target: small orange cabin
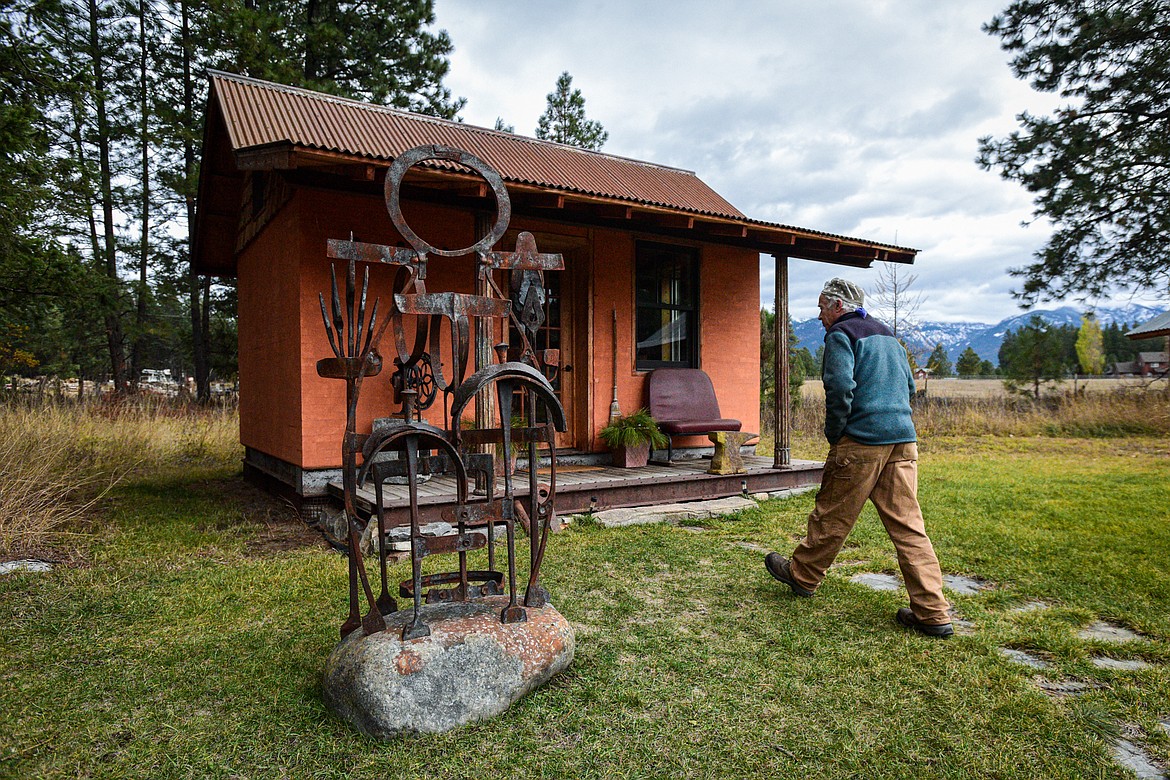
660	270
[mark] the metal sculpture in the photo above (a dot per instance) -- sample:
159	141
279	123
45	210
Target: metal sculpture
419	377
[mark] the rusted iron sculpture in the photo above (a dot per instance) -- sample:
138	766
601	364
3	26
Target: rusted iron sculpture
418	378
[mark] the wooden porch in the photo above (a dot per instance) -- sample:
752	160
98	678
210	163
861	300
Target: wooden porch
580	487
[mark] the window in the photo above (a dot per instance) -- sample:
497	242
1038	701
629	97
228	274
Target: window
667	296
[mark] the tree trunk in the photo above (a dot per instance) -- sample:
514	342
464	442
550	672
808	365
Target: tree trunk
199	347
136	348
114	337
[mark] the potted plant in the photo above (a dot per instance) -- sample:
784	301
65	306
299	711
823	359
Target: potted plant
631	438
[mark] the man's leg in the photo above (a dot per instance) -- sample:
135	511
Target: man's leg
896	498
851	471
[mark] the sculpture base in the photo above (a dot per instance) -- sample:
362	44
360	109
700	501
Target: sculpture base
471	667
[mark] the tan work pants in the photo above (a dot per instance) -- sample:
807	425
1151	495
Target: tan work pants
888	476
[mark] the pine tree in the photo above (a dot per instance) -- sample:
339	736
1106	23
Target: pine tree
969	363
564	119
1032	355
1096	164
938	362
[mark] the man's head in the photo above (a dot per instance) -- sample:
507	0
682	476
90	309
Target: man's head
839	297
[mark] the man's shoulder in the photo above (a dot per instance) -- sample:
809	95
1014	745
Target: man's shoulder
855	327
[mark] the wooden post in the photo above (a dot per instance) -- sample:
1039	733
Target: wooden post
782	457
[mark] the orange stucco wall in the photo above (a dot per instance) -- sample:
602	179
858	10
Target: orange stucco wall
291	413
270	339
286	409
729	342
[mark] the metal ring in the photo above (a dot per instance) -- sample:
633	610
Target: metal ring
412	157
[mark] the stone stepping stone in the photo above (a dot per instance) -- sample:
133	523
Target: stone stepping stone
752	547
963	626
672	513
1031	606
1165	724
1023	658
29	565
843	564
694	529
875	581
1103	631
789	492
1105	662
1063	688
964	586
1134	758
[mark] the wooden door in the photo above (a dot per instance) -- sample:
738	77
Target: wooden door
563	308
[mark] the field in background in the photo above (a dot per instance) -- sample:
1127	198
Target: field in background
993	388
982	407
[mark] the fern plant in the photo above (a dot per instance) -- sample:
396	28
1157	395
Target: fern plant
633	430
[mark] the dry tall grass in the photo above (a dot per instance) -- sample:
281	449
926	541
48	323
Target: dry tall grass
57	460
1123	411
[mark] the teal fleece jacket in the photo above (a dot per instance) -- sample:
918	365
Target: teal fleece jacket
868	383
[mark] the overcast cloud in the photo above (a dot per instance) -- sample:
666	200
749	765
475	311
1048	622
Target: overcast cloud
857	117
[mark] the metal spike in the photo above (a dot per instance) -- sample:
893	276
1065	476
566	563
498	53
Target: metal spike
328	329
361	318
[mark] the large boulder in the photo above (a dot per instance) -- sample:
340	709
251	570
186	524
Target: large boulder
471	667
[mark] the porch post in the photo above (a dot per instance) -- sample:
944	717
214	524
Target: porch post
782	457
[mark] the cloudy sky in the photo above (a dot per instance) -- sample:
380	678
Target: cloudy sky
857	117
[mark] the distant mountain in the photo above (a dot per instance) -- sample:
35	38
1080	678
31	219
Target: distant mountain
983	338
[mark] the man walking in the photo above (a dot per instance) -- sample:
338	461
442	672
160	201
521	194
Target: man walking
873	455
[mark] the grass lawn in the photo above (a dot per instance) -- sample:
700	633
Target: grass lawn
191	639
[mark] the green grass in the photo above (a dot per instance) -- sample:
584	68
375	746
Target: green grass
191	644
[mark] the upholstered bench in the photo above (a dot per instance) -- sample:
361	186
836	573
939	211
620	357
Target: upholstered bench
682	402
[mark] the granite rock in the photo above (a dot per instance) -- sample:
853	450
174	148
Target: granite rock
471	667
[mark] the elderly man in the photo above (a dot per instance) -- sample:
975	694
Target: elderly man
872	455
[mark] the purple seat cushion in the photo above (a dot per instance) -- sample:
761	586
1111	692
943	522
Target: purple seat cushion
687	427
682	402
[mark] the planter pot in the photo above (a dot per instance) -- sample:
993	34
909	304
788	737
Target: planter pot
632	457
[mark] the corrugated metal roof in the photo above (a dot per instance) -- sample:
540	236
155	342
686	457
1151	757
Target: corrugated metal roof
260	113
1159	326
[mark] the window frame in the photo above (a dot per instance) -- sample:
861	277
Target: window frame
693	256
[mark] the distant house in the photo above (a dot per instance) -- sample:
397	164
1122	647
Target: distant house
1152	364
651	253
923	373
1123	368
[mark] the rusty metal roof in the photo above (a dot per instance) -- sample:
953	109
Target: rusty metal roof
260	114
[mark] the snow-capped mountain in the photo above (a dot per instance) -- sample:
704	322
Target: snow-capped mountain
982	337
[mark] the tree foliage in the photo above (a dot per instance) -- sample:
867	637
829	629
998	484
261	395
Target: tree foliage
800	362
100	135
938	362
894	301
1090	346
969	363
1097	165
1035	354
564	119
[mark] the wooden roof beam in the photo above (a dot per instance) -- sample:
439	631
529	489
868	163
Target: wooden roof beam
663	219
